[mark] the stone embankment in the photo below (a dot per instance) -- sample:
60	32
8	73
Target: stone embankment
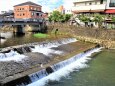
103	37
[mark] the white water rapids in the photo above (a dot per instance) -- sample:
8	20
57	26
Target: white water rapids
78	63
44	48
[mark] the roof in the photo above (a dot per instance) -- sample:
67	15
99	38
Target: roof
27	3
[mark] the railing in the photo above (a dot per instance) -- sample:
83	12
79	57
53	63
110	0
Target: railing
20	20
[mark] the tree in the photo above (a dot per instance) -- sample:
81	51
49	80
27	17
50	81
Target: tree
98	19
84	19
59	17
55	16
113	19
67	17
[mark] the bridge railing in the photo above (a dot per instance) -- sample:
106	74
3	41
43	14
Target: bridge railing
21	20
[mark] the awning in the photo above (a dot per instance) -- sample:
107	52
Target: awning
110	11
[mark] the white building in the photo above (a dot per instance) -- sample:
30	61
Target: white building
68	10
95	6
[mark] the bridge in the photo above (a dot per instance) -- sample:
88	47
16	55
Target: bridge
21	23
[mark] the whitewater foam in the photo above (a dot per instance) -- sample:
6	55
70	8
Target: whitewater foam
79	63
45	47
11	56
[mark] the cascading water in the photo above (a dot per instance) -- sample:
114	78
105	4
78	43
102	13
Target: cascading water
63	68
60	69
12	55
16	54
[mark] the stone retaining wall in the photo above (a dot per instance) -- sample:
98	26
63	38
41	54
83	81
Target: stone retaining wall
104	37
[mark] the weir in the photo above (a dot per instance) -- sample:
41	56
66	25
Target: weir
19	55
29	79
26	47
11	53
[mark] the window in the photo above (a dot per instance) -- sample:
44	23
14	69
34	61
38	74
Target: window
101	2
31	8
112	3
90	3
95	2
23	14
22	8
32	14
37	14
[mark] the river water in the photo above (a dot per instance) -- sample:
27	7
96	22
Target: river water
99	71
19	39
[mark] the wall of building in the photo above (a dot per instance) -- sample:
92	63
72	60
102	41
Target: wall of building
27	11
89	6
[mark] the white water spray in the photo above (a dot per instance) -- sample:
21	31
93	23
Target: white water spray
11	56
45	47
79	62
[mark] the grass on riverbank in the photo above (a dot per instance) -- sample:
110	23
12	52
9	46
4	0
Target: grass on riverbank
41	35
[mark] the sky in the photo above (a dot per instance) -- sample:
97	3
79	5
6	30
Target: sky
47	5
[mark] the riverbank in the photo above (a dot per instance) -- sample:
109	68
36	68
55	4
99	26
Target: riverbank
13	70
103	37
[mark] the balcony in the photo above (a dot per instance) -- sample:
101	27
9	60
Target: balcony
89	8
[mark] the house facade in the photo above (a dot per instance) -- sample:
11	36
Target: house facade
27	10
94	6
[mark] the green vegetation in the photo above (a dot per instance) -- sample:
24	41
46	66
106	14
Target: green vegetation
59	17
40	35
113	19
98	19
84	18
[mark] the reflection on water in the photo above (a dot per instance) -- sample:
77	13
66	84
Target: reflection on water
2	40
6	34
16	39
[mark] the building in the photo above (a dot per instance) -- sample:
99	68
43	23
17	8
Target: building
63	10
110	7
27	10
68	11
94	6
60	9
7	15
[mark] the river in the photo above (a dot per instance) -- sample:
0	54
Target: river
19	39
100	71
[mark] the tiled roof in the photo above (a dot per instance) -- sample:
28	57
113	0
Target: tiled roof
28	3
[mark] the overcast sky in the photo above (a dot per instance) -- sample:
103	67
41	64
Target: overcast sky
47	5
